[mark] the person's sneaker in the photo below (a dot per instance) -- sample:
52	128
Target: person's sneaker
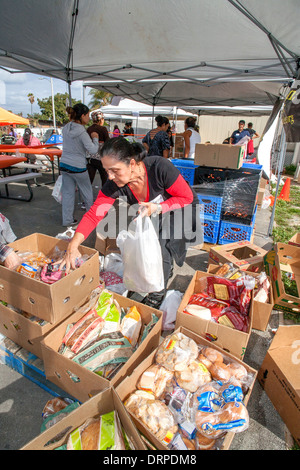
83	206
73	224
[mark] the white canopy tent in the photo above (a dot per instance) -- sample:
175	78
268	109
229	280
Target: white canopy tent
127	107
196	40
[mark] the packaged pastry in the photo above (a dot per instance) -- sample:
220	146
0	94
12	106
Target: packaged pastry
213	355
204	443
176	352
103	433
155	379
156	416
131	325
193	376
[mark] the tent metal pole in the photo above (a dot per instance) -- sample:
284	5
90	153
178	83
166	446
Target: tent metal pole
280	167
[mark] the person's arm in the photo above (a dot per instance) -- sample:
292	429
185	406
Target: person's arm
92	146
181	196
186	137
87	224
8	257
256	135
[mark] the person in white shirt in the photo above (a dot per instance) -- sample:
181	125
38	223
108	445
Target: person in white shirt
191	137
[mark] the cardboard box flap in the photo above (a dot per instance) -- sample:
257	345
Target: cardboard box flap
285	351
289	257
286	336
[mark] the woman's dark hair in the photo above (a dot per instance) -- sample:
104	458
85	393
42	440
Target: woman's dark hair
26	136
124	151
190	122
160	120
77	111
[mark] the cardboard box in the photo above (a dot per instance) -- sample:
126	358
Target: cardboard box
229	339
104	402
261	311
219	155
128	386
49	302
280	378
23	331
244	255
106	245
295	240
260	196
77	380
284	259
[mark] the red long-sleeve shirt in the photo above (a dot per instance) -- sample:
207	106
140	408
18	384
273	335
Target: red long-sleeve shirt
163	179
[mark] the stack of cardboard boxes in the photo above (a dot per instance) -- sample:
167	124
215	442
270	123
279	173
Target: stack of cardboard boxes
278	374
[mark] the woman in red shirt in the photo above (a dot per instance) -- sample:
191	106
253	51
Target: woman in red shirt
155	186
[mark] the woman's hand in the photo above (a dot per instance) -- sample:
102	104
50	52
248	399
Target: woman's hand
72	253
12	261
94	135
148	208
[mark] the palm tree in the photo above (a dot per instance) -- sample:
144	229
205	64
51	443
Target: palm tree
99	98
30	97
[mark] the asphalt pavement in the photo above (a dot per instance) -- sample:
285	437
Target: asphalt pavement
22	401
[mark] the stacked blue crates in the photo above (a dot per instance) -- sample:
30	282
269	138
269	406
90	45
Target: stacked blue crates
186	167
212	206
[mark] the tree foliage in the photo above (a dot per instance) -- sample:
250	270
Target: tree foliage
60	103
99	98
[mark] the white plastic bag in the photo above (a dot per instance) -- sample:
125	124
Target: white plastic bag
141	255
56	193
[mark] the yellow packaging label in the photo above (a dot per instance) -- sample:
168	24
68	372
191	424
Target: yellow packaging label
224	320
221	292
171	344
202	367
168	437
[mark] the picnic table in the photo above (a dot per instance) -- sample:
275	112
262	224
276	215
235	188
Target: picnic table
49	152
7	161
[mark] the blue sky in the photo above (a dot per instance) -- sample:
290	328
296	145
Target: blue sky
14	89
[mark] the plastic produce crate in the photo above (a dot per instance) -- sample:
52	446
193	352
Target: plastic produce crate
212	206
231	232
211	230
186	168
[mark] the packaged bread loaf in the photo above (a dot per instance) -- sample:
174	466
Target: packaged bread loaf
102	433
176	352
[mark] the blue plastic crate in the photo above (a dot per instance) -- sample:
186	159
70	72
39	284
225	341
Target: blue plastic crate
186	168
231	232
211	230
212	206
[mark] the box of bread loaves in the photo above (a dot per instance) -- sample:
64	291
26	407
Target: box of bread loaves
99	344
102	423
189	394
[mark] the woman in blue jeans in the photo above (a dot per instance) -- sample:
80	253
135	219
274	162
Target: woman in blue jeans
73	162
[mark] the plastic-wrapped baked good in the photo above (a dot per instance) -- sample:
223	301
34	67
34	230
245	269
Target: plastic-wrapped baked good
219	371
155	415
212	354
103	433
176	352
193	376
204	443
155	379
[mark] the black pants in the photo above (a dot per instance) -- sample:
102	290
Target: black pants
92	168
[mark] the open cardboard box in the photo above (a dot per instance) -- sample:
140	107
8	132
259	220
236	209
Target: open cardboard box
295	240
261	311
279	376
284	259
219	155
77	380
23	331
103	403
106	245
227	338
244	255
49	302
128	386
